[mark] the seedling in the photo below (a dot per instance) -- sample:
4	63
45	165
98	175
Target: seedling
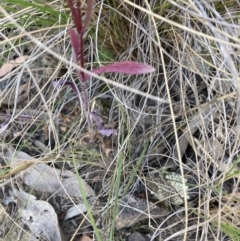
76	36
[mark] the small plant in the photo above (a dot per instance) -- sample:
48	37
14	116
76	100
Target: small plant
76	36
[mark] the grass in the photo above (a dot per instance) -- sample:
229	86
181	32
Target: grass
183	118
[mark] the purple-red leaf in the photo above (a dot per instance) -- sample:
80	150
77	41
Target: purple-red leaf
77	38
127	67
75	44
76	14
88	15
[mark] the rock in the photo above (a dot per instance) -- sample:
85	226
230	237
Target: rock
133	210
138	237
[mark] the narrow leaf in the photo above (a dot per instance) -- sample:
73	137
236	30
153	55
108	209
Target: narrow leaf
78	23
126	67
77	50
75	44
72	9
88	15
76	14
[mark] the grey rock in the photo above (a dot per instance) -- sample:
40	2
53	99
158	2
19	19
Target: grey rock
138	237
133	210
